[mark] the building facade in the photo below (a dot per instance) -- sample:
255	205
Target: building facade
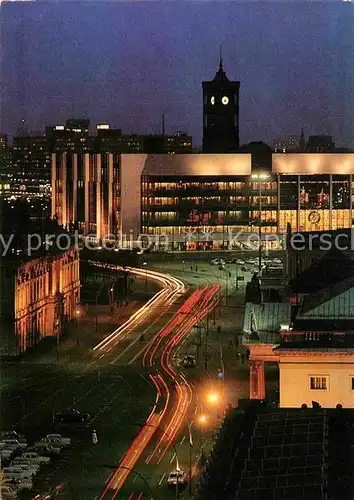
41	296
30	170
210	196
324	376
86	192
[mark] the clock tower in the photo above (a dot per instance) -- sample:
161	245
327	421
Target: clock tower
221	114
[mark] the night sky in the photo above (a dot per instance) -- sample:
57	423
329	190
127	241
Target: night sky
125	63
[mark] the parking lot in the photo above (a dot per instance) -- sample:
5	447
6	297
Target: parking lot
114	397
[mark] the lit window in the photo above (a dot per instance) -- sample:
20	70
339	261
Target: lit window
319	383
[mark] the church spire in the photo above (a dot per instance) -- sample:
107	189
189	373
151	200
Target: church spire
302	143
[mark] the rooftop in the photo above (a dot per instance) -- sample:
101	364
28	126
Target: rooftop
333	268
282	454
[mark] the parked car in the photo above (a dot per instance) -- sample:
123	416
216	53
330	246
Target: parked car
13	443
6	454
65	440
19	484
35	457
12	435
11	472
55	442
218	262
177	476
188	361
240	262
7	491
46	449
23	467
71	416
26	461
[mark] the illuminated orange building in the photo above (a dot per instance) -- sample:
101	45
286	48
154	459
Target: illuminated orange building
46	294
85	192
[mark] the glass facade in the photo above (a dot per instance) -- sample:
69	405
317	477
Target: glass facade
176	206
315	202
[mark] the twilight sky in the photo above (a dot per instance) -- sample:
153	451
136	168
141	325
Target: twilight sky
124	63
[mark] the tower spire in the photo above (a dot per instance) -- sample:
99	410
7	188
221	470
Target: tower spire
302	144
220	59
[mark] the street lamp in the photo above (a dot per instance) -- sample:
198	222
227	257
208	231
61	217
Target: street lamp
145	264
113	280
164	433
117	467
78	324
260	177
213	397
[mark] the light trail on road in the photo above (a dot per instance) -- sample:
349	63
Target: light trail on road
172	389
172	289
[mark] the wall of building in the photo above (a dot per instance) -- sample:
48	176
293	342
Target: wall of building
131	168
295	373
47	292
85	192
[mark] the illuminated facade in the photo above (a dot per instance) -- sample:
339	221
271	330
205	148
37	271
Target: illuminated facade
30	172
315	191
41	296
210	196
85	192
221	194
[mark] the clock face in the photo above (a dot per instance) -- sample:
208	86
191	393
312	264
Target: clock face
225	100
212	100
314	217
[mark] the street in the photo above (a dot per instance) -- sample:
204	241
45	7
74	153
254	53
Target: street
151	414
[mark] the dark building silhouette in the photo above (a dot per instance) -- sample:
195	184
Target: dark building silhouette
220	114
261	155
320	144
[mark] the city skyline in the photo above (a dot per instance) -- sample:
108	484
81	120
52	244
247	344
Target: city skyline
293	62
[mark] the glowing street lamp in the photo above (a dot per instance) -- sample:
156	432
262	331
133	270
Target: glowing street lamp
213	397
145	264
78	325
202	419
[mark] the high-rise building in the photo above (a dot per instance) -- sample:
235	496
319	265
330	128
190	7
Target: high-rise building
113	141
220	113
30	167
320	144
85	192
73	136
3	142
287	144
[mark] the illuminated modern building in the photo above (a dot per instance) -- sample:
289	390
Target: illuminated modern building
41	296
315	191
221	194
85	192
29	175
73	136
221	113
212	197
